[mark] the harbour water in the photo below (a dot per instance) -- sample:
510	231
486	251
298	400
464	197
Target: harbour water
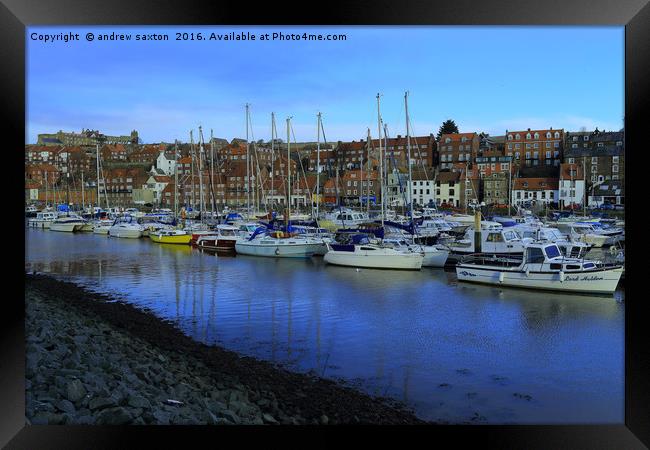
452	351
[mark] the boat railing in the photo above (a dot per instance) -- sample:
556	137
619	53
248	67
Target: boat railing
492	260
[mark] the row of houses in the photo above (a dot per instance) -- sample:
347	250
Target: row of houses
521	167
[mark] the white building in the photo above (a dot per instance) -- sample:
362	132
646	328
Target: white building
572	185
165	164
448	187
535	191
157	184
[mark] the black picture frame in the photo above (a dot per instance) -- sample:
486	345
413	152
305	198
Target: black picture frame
15	15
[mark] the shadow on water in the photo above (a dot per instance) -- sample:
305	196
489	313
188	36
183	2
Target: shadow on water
453	351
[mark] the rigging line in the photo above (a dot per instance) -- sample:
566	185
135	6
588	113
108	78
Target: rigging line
257	161
304	176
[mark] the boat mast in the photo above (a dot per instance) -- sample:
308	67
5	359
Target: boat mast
46	189
367	177
408	153
213	200
318	165
584	182
248	176
97	154
201	154
385	174
381	166
176	178
83	198
192	167
273	137
286	220
361	173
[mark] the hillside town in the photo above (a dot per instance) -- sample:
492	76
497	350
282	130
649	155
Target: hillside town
550	168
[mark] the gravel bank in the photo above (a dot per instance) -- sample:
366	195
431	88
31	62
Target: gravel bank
93	360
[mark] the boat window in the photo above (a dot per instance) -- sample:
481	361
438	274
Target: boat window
552	251
535	255
588	265
494	237
555	266
510	235
572	267
367	248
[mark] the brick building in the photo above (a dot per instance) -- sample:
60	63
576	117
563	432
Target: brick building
457	148
532	148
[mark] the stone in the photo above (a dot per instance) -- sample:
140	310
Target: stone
101	402
83	420
161	417
137	401
114	416
75	391
324	420
231	416
66	406
268	418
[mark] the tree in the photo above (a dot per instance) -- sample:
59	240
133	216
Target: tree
447	127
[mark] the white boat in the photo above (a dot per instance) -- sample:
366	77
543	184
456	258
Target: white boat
67	224
542	266
494	240
583	232
42	219
360	252
434	255
532	233
102	226
275	244
126	227
346	218
321	235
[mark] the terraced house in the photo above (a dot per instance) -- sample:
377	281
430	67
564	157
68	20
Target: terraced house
531	148
602	156
458	148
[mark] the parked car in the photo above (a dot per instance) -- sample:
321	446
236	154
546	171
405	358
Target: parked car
619	207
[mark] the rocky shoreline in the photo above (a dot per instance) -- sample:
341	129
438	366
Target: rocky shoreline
91	359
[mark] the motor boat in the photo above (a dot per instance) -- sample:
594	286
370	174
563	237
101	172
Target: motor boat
67	223
494	240
43	219
222	239
542	266
126	227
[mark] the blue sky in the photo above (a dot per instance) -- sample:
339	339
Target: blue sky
484	78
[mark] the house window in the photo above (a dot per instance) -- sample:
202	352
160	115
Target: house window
509	146
451	192
574	145
510	137
528	136
619	143
615	168
536	135
594	160
548	154
557	135
615	159
517	136
575	138
601	144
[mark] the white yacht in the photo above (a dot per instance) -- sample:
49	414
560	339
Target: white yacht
277	244
126	227
42	220
584	232
347	218
360	252
542	266
494	240
67	223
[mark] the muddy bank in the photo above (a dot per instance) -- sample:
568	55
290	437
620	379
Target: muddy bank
93	360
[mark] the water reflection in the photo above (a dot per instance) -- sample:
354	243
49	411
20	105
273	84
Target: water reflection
448	349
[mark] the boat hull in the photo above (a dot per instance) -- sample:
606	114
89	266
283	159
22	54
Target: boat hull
275	250
596	282
180	239
434	257
65	227
407	261
218	245
100	230
125	233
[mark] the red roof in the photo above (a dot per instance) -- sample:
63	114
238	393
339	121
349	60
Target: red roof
536	184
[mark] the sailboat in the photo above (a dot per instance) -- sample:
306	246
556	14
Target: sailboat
170	236
356	250
281	244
